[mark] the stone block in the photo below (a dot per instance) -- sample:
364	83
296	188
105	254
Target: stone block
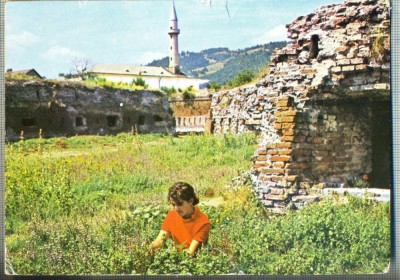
348	68
291	178
287	119
280	158
261	158
381	86
288	132
362	67
356	61
299	139
275	198
287	126
259	165
262	152
277	191
273	171
287	138
267	203
298	165
320	153
284	145
282	103
278	164
318	140
341	49
292	191
367	87
252	122
271	145
308	71
342	62
273	152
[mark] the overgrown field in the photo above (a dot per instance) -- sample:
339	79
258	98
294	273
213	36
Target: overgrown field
92	205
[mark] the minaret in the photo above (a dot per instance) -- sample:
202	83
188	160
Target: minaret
173	42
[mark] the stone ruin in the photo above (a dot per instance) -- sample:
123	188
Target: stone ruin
323	110
43	108
192	115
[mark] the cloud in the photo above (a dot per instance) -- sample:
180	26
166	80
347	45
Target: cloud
17	41
278	33
59	53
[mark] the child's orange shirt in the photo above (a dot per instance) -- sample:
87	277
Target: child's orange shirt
183	231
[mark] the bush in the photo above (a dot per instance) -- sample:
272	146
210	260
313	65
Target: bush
94	206
241	79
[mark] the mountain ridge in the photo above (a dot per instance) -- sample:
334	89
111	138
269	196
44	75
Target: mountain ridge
221	64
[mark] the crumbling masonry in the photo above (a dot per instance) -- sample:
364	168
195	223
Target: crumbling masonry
51	109
323	109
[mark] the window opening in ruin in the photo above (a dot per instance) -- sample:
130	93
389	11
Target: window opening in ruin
381	143
97	120
78	121
283	58
142	120
38	94
157	118
112	121
28	122
128	120
314	49
320	119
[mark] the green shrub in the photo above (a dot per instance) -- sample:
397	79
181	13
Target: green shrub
241	79
94	205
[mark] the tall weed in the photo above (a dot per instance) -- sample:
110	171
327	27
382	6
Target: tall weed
93	205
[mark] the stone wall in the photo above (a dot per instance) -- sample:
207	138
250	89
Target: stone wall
66	109
317	107
192	115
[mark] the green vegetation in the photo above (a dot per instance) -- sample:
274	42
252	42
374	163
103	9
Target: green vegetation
241	79
214	86
186	94
170	92
92	205
137	84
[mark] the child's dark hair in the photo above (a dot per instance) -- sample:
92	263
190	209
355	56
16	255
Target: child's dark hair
182	191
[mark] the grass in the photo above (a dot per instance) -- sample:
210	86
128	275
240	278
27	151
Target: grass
92	205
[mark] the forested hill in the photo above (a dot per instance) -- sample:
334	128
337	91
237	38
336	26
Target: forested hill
221	64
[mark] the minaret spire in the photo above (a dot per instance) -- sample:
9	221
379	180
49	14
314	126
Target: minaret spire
173	41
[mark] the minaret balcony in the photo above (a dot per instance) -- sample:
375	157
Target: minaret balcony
174	31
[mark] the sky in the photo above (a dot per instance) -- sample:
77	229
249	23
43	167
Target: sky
50	35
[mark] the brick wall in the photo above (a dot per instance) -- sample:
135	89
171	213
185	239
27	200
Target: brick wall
314	109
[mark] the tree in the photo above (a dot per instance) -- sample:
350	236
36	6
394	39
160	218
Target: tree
214	86
241	78
82	67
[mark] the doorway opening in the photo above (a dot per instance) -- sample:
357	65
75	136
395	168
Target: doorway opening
381	144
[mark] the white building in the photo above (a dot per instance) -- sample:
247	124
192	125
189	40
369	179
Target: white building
154	77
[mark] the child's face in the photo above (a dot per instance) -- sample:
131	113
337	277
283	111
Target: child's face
183	208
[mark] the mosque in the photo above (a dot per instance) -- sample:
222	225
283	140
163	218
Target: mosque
154	77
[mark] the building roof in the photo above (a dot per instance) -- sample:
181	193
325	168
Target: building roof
126	69
28	72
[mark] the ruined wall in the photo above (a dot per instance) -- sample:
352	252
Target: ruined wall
65	109
192	115
315	109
